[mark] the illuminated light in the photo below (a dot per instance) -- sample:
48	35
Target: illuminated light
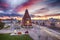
58	22
28	22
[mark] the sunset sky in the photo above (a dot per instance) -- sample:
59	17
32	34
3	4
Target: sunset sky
35	7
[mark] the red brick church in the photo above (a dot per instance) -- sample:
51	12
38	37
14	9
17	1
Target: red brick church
26	20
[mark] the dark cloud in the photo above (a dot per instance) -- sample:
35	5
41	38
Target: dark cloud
2	1
41	11
53	3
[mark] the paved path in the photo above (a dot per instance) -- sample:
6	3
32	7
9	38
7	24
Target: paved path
43	33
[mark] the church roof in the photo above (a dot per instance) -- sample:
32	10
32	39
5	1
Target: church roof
26	15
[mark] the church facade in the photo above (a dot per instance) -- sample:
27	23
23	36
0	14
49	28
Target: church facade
26	20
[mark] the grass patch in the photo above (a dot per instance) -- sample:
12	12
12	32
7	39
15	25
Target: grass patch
16	37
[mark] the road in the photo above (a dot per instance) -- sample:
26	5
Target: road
43	33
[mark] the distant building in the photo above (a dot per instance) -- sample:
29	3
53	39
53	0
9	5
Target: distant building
26	20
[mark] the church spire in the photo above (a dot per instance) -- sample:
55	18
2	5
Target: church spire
26	13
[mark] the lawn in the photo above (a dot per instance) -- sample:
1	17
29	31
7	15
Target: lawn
16	37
